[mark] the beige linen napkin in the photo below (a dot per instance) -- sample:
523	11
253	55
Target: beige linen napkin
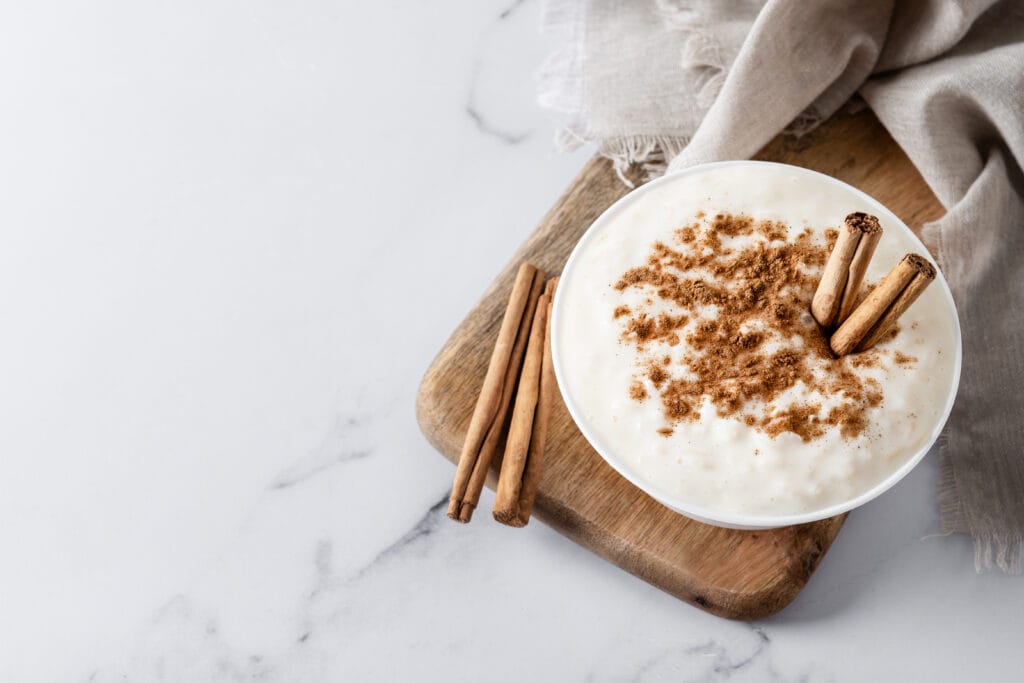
652	81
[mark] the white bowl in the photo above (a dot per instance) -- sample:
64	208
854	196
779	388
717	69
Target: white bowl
732	519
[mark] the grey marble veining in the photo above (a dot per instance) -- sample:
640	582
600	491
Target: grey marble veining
419	534
485	127
236	233
349	438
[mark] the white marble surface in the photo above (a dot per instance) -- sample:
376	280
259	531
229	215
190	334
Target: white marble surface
233	236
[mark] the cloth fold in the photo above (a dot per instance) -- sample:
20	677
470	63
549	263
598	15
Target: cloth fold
659	82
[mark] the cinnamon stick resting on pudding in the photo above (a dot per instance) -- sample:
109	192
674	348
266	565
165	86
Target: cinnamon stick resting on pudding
496	394
844	272
524	448
876	315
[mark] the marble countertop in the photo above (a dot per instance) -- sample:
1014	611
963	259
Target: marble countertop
233	236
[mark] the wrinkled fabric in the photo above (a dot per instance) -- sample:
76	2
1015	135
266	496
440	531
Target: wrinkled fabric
947	80
636	78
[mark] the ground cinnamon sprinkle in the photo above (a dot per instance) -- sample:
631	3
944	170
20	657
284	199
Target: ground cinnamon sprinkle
831	235
637	391
656	375
865	359
726	303
903	359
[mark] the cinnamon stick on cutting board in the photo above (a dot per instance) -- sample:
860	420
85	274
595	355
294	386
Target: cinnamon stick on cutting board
875	316
524	448
496	394
844	271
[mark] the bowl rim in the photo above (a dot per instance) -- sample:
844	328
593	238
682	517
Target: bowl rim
733	519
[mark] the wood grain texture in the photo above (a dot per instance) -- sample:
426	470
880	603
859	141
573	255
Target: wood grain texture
736	574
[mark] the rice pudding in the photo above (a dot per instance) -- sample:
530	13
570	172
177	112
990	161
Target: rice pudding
686	344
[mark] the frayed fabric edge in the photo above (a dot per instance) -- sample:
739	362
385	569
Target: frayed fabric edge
1002	550
650	153
1005	551
561	88
805	122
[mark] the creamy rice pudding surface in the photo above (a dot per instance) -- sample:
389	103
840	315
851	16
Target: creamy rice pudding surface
685	341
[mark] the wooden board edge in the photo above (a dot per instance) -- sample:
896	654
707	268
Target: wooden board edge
734	605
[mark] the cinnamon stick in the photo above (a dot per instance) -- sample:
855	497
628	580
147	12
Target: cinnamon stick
538	442
524	449
495	395
875	316
482	466
844	271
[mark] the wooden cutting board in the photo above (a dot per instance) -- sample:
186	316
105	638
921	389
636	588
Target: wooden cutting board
736	574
